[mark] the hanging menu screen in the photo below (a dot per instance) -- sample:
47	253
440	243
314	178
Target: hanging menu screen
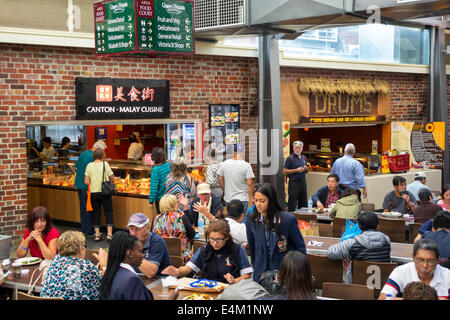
144	26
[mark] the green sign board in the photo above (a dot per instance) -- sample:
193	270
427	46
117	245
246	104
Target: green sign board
144	27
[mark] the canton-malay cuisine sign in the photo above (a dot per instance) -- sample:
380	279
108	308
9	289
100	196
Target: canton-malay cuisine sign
106	98
144	27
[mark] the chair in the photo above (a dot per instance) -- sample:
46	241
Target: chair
196	245
325	229
415	230
371	273
177	261
325	270
368	207
339	226
347	291
310	218
393	228
174	246
24	296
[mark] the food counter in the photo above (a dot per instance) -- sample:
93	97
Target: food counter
53	188
377	184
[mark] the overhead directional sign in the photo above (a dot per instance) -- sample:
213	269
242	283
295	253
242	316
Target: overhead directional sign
144	27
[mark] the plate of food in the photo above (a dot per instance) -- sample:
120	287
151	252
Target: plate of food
392	214
197	296
28	261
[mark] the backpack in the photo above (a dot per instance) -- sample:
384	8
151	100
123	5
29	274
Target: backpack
246	289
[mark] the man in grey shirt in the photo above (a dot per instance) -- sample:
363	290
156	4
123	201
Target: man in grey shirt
399	199
236	178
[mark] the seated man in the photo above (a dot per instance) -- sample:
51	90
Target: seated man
206	203
235	215
419	183
328	194
399	199
427	209
156	254
424	268
440	233
370	245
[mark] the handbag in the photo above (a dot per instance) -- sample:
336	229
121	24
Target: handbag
43	268
269	280
351	230
108	187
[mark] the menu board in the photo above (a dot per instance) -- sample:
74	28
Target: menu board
144	27
225	118
425	142
428	144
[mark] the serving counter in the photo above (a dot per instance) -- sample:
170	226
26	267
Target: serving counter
54	189
378	185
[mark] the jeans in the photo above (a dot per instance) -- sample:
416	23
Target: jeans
297	195
85	217
98	200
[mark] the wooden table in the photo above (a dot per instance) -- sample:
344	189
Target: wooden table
162	293
400	252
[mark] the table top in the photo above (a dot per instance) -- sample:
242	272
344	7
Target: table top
324	216
22	283
162	293
400	252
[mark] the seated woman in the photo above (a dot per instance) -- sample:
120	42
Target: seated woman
69	275
220	259
120	281
348	206
172	223
295	279
41	238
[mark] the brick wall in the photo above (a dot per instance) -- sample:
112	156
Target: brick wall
37	84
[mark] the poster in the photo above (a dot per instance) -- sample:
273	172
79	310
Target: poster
425	142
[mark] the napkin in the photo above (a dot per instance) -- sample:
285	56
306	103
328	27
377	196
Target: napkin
315	243
169	281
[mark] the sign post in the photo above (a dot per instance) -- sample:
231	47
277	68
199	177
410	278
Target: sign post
144	27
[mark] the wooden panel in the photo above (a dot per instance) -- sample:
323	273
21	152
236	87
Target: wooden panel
347	291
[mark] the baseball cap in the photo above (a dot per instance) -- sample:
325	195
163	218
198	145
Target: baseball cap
138	220
203	188
298	143
420	175
100	144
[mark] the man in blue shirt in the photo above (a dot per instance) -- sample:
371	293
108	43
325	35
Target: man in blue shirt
350	171
156	254
84	159
419	183
295	167
440	233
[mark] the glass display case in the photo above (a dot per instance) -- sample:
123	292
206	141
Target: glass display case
132	177
323	161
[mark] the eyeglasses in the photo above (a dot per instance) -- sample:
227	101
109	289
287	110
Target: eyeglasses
219	240
421	262
85	245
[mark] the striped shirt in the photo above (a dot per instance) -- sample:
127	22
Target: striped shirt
406	273
158	182
185	186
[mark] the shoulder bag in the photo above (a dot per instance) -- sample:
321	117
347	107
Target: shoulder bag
108	187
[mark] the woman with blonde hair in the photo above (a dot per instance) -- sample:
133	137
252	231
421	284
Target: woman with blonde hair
219	259
70	276
172	223
179	183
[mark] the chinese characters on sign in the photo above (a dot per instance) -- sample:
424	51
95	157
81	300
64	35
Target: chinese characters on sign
144	27
106	98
